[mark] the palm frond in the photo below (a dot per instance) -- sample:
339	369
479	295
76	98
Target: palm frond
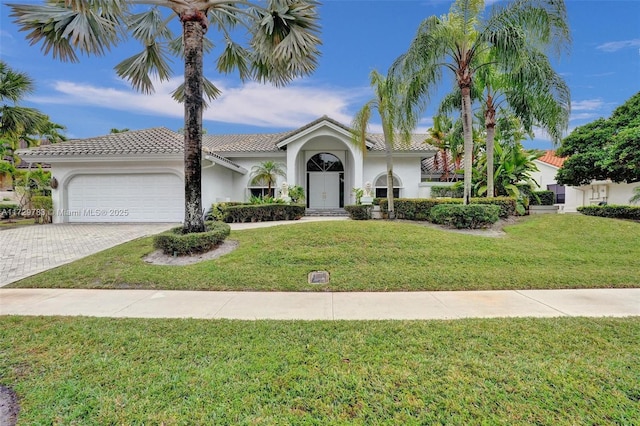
209	89
284	40
89	26
233	57
14	85
153	60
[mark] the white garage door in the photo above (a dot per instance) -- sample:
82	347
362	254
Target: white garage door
126	198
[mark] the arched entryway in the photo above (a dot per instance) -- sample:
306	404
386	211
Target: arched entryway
325	182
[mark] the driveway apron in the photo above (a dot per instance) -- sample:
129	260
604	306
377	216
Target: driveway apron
29	250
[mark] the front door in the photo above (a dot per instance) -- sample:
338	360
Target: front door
325	182
324	190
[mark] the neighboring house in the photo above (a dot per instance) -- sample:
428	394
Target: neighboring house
137	176
572	197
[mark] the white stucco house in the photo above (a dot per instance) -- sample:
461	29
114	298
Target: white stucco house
569	198
137	176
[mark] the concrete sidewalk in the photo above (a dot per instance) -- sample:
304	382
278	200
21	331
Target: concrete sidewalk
321	306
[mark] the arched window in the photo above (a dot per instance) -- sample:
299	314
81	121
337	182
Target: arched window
380	186
324	162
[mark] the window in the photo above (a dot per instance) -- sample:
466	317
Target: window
260	191
324	162
380	186
559	190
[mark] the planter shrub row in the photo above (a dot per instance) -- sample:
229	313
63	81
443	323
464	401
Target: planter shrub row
174	242
612	211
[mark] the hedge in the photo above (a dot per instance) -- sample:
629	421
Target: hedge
542	198
446	192
174	242
612	211
359	212
419	208
218	211
263	212
471	216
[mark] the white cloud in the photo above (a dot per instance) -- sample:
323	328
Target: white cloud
587	105
251	104
614	46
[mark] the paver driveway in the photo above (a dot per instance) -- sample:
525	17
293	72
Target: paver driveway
29	250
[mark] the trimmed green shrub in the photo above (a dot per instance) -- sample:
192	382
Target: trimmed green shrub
446	192
174	242
542	198
419	208
507	204
42	208
471	216
612	211
263	212
218	211
359	212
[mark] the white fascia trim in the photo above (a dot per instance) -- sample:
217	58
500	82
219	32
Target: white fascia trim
215	160
312	129
244	154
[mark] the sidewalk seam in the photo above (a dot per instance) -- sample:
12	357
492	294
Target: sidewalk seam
542	303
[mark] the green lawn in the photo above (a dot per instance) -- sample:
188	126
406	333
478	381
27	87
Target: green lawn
562	371
547	251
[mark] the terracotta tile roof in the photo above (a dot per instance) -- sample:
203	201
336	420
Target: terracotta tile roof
159	140
552	159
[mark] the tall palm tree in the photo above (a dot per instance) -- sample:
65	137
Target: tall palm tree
266	173
396	127
283	44
533	93
460	40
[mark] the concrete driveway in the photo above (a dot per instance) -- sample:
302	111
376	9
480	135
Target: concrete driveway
30	250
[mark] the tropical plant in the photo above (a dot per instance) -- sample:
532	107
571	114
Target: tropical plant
296	193
460	40
282	44
440	136
396	126
514	166
266	173
358	193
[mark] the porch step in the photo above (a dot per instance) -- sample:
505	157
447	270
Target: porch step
326	212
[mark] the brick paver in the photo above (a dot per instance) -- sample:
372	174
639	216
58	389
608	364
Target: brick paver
29	250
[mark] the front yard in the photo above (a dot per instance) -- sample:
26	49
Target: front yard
547	251
91	371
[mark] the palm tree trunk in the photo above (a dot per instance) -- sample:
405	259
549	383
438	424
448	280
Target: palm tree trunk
491	133
194	27
490	125
468	141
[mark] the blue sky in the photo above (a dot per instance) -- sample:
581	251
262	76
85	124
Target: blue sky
602	69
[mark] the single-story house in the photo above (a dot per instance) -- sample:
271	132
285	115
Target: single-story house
137	176
569	198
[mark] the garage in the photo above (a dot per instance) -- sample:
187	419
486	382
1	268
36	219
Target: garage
131	197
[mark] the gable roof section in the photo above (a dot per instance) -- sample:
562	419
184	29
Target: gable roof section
158	140
552	159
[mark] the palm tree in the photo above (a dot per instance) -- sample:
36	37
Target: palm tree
282	45
440	137
17	121
266	173
534	93
396	127
460	40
